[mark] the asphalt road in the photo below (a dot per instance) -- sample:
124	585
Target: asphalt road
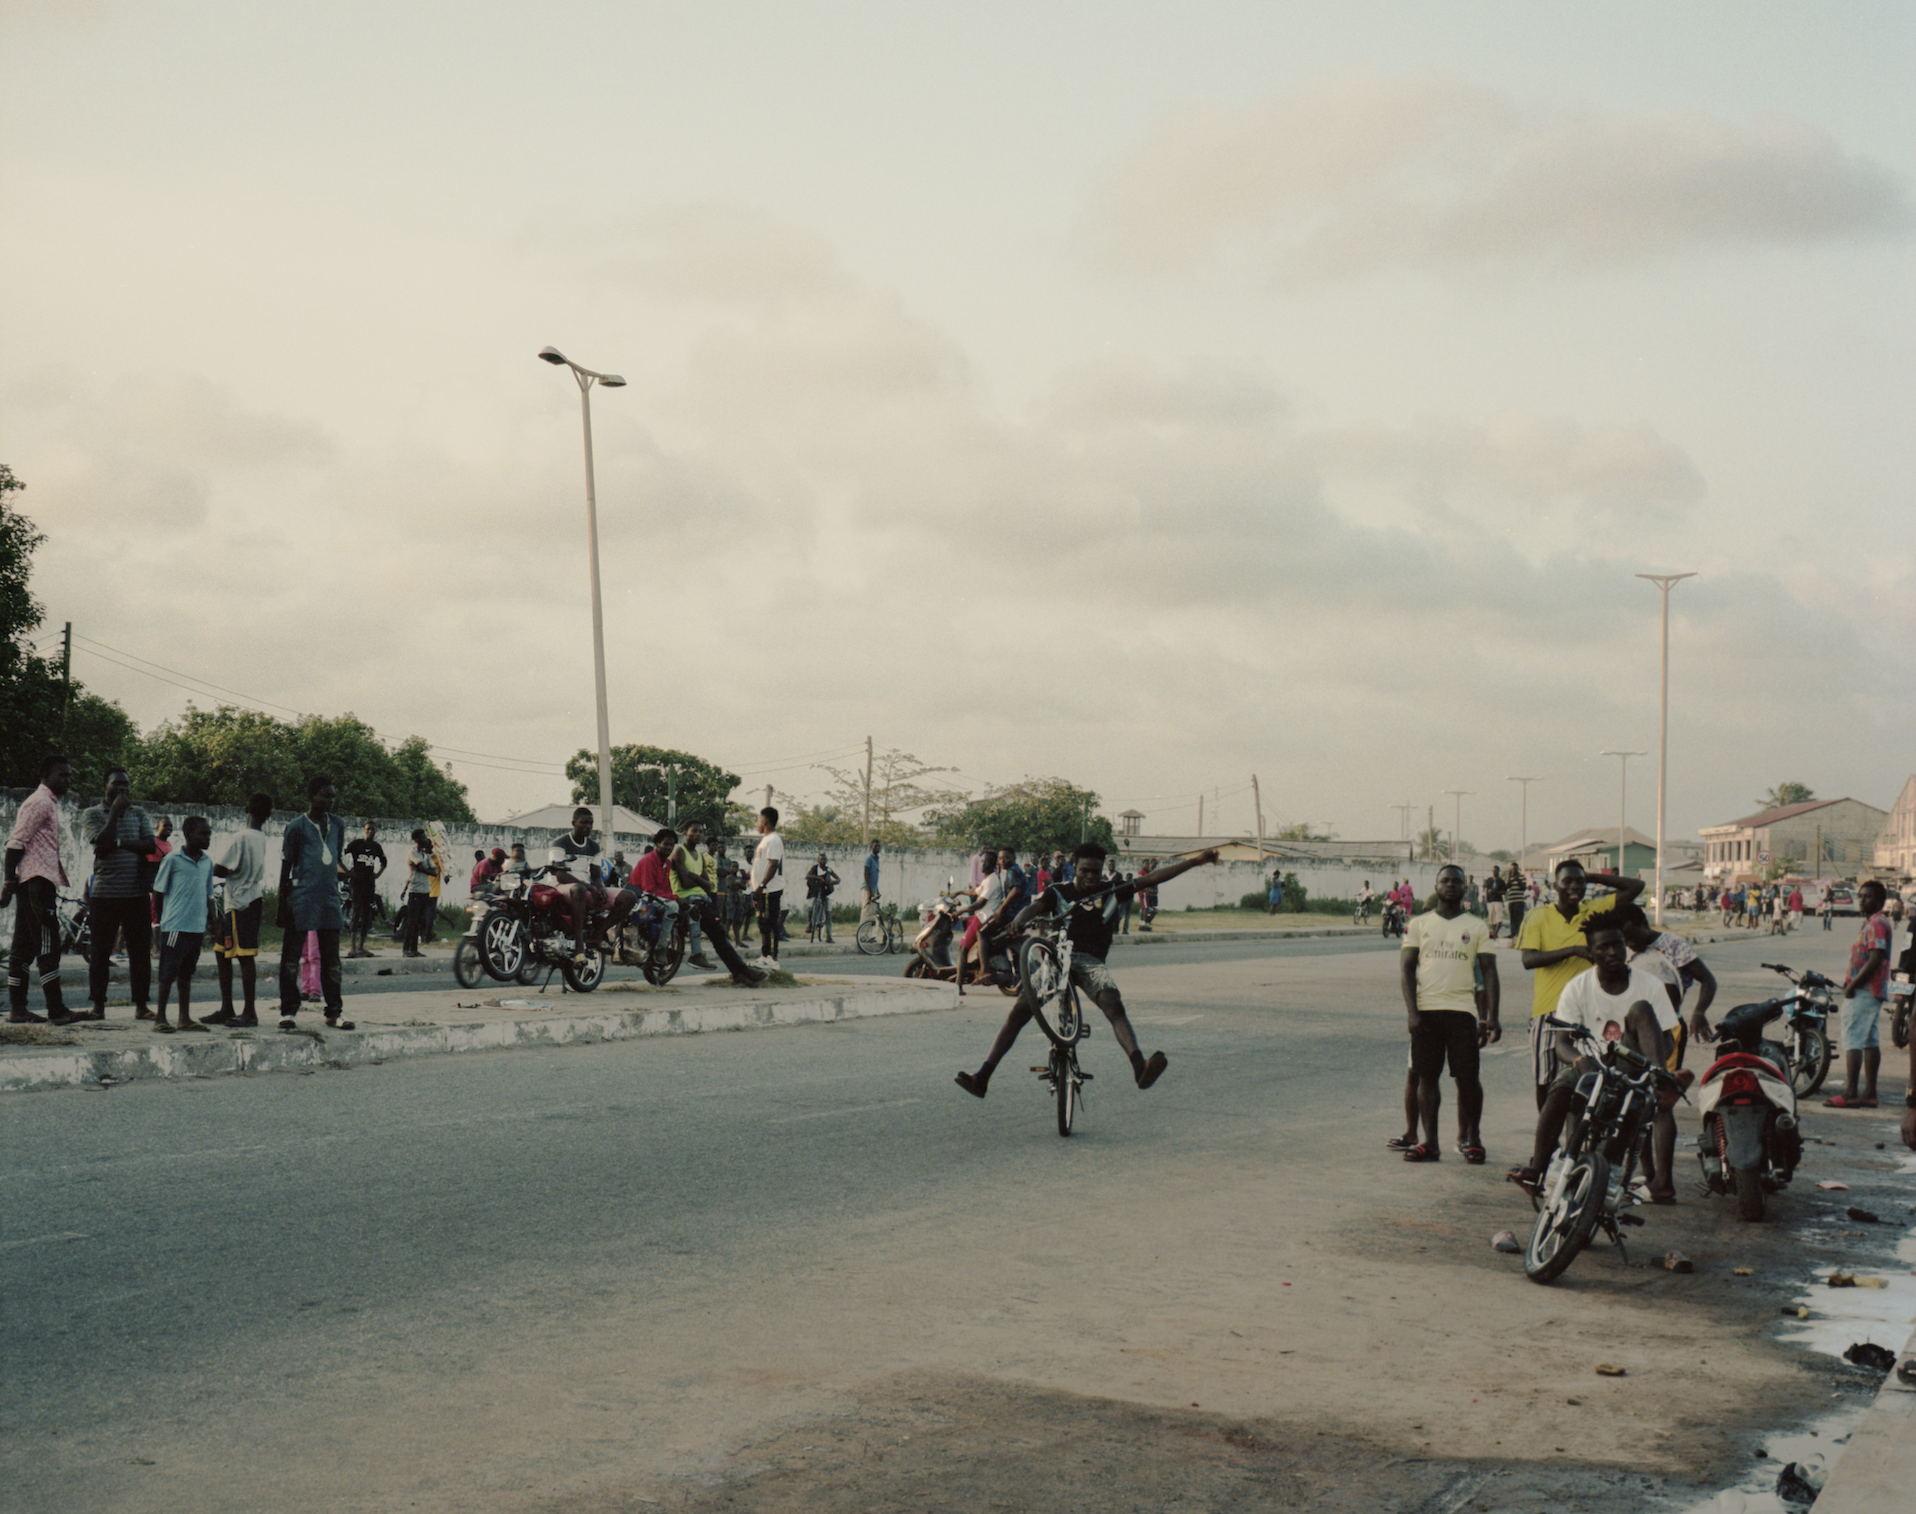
492	1280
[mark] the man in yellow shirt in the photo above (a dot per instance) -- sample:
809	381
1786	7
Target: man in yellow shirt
1553	947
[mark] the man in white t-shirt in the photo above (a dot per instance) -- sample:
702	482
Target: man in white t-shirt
1444	953
768	881
1614	1000
243	867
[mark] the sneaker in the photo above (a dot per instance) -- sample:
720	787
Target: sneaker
68	1017
750	978
287	1022
25	1017
245	1022
698	959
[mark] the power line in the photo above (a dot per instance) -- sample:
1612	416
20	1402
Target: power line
175	674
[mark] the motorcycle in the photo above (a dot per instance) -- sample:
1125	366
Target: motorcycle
933	954
1805	1043
1589	1182
1749	1144
529	933
491	917
1394	918
648	942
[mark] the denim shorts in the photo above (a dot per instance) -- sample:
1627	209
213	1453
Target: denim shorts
1862	1016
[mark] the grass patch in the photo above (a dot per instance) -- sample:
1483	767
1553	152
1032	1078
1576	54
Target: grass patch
35	1035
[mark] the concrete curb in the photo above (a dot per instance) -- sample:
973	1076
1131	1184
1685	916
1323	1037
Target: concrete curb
27	1070
1877	1469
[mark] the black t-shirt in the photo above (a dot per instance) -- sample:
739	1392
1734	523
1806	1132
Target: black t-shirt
364	854
1089	922
1493	890
577	857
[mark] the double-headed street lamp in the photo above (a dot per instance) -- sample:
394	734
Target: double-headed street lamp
587	378
1523	824
1460	795
1663	581
1623	796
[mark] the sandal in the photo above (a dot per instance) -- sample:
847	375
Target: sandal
1843	1101
1400	1143
1524	1178
1471	1152
338	1024
1422	1153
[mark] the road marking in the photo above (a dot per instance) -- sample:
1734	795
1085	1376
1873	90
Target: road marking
40	1240
826	1114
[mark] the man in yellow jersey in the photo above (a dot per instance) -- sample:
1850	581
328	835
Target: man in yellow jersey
1553	947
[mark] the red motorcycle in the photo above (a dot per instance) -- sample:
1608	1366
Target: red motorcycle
528	933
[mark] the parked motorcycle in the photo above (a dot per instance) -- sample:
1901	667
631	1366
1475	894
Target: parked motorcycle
1804	1042
529	933
934	948
491	916
1588	1184
651	941
1749	1144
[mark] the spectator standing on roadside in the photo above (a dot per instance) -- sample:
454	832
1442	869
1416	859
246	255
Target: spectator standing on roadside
1829	909
1446	952
311	859
421	867
868	902
243	867
1516	899
1796	906
34	877
182	891
162	844
820	880
1494	901
122	837
768	881
1865	987
368	860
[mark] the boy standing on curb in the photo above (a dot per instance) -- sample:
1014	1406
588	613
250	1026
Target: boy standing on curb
182	891
243	866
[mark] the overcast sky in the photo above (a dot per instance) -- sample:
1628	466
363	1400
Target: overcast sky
1149	394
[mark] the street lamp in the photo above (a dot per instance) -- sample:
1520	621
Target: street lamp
1663	582
587	378
1460	795
1523	823
1623	790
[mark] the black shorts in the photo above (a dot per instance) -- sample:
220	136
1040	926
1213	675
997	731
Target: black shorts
179	953
1444	1033
239	931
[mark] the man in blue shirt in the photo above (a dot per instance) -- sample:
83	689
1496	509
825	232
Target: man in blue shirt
870	901
311	861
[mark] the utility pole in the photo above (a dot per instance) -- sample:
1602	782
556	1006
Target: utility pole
1200	829
672	795
1403	819
868	791
1663	581
768	796
1460	795
1523	830
1623	795
1430	824
66	677
1257	803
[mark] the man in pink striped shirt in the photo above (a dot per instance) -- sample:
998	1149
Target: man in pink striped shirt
34	879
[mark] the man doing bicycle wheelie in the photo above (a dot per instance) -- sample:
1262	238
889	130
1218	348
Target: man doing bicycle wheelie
1088	908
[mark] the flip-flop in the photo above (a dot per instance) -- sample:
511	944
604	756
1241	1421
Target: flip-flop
1399	1143
1422	1153
1471	1153
1524	1178
1843	1101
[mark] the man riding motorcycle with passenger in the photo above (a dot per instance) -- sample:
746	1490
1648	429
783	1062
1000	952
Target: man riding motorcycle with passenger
573	854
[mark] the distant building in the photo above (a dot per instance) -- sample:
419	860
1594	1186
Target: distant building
1896	843
1596	848
1820	837
558	817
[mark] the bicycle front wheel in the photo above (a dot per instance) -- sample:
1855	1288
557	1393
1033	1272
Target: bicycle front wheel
871	937
895	937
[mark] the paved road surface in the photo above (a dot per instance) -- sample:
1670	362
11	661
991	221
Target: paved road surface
596	1278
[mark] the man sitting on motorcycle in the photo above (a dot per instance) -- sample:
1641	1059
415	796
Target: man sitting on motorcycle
573	853
694	875
1087	910
1613	1001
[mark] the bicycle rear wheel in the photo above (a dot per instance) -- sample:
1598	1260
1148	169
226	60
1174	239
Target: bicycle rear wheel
871	937
1064	1073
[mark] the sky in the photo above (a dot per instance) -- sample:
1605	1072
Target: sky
1148	395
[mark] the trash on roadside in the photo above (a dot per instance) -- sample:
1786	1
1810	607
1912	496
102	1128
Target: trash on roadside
1604	1369
1743	1272
1797	1484
1828	1187
1862	1216
519	1004
1676	1261
1505	1240
1842	1280
1869	1354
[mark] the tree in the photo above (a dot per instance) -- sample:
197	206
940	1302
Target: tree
1300	832
643	781
40	711
1785	794
1045	814
893	792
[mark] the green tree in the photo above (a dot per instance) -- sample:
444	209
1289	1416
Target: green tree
1785	794
1301	832
642	781
39	711
1045	814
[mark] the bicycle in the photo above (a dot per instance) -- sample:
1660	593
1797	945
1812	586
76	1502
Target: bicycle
1045	963
881	933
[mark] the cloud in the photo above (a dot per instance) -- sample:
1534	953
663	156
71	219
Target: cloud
1362	173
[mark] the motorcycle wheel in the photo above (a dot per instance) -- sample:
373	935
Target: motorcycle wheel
582	980
502	947
1564	1225
916	968
1748	1182
468	965
667	958
871	937
531	972
1809	1060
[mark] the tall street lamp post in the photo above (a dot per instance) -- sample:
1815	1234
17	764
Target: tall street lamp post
1523	823
1457	824
1623	796
1663	582
587	378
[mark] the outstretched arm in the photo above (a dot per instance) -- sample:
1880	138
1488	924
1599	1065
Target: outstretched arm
1170	870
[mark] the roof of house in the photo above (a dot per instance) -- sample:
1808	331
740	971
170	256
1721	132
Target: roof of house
1762	818
558	817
